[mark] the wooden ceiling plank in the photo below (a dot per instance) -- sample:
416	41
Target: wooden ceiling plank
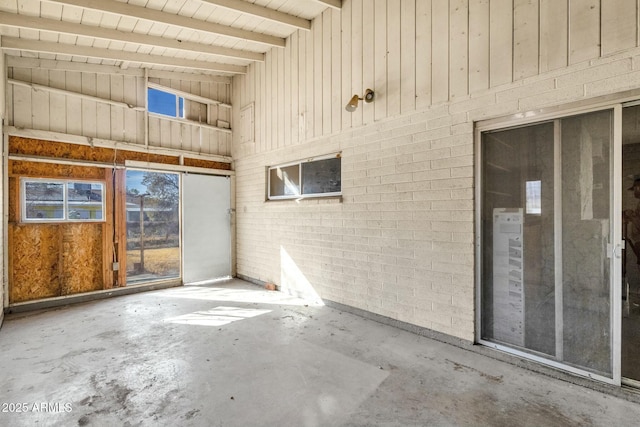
334	4
91	52
50	64
177	20
263	12
33	23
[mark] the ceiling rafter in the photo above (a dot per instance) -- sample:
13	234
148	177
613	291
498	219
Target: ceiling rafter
93	52
50	64
262	12
334	4
138	12
43	24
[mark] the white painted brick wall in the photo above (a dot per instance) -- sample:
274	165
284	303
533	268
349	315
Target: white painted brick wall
400	243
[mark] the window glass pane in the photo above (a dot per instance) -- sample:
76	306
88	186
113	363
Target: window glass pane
85	201
284	181
162	102
181	108
585	233
546	289
518	242
321	176
153	226
43	200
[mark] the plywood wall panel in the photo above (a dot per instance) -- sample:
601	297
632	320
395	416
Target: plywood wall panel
82	260
36	169
35	147
34	262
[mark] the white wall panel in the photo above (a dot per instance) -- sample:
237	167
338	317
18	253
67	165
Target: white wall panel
57	111
400	241
418	53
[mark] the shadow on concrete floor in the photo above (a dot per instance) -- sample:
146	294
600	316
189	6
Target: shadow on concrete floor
232	354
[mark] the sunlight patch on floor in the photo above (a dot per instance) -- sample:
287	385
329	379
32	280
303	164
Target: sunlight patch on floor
217	316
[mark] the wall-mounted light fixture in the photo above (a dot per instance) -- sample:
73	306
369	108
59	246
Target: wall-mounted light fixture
369	96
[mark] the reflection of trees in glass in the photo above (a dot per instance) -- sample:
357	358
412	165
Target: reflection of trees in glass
153	228
163	187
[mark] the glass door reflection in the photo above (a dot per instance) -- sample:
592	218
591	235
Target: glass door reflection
153	226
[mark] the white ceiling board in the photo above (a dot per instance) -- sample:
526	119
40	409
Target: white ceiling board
171	30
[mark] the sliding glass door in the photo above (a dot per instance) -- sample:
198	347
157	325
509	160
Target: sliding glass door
545	258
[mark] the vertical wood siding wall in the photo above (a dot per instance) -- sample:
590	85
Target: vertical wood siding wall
400	242
418	53
57	112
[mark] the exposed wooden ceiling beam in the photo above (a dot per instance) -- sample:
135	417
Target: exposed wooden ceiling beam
138	12
34	23
93	52
50	64
262	12
334	4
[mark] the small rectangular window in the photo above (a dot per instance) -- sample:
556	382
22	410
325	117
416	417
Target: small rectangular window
43	201
62	200
165	103
311	178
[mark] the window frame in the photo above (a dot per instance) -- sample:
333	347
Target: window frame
179	113
615	103
299	164
65	200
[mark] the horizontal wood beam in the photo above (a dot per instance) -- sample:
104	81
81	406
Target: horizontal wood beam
262	12
51	25
35	86
190	123
117	55
49	64
334	4
108	143
148	14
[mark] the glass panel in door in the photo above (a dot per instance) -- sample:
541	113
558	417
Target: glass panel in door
631	234
153	226
545	227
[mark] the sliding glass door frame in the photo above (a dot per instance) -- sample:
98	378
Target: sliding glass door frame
614	246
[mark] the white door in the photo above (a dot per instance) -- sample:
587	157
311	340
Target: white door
207	227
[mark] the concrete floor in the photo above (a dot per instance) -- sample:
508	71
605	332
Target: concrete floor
232	354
